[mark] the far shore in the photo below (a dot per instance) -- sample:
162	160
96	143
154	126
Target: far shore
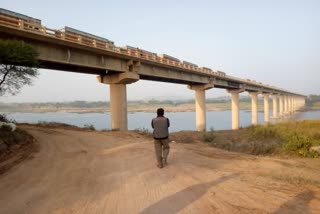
186	107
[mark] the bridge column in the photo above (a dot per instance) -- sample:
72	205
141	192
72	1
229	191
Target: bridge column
281	106
295	104
118	107
254	107
275	106
200	101
289	105
266	107
285	99
118	97
235	107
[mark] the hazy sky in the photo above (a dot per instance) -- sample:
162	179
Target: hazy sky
272	41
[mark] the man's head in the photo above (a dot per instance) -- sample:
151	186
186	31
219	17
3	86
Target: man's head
160	112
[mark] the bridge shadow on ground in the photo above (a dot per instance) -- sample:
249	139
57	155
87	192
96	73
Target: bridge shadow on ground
299	204
176	202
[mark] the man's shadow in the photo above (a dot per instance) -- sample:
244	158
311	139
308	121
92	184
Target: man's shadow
299	204
176	202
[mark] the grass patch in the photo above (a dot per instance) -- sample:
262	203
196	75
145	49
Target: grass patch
295	137
55	124
144	131
294	178
289	138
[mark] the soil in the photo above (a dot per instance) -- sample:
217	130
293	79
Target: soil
84	171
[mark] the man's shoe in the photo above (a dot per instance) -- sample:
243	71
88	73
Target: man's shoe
164	162
160	165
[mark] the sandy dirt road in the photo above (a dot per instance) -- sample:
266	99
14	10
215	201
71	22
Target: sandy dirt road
109	172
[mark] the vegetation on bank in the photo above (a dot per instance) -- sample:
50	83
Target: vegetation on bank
18	144
8	137
295	137
289	138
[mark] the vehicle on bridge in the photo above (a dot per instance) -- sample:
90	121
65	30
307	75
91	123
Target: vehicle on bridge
15	15
220	73
169	59
140	53
206	70
15	19
85	38
28	23
189	65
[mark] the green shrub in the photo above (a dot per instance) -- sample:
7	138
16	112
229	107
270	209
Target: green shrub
300	144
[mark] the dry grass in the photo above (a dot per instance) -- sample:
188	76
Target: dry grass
293	177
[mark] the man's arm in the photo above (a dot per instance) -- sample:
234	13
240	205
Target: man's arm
168	122
152	124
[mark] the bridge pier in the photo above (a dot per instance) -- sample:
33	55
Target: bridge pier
200	102
118	107
281	106
285	99
254	107
235	107
291	105
118	97
266	107
275	106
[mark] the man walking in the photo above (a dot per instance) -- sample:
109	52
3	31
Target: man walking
160	126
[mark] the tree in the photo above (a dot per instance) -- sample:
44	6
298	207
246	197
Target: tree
18	65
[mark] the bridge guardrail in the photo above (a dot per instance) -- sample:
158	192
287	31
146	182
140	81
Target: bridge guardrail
87	41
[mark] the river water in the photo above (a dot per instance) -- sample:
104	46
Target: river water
218	120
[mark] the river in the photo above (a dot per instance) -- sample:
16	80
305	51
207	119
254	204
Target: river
218	120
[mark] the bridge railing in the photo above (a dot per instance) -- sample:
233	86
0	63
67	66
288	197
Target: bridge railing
91	42
83	40
12	22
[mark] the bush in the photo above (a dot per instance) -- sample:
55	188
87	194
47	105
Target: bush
263	148
263	132
3	118
89	126
209	136
300	144
144	131
11	138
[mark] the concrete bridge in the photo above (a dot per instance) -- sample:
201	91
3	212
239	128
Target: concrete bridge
118	67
